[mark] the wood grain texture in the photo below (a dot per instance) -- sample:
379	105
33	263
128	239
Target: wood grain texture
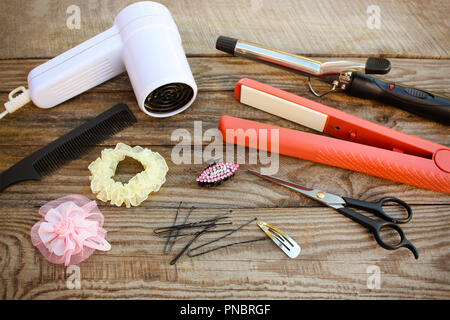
313	27
333	263
181	185
335	251
213	74
216	79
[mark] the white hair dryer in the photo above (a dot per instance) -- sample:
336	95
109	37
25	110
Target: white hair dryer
144	41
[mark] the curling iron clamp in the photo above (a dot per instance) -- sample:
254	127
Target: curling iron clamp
361	146
352	77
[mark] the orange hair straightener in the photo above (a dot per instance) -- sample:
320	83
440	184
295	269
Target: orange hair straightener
362	146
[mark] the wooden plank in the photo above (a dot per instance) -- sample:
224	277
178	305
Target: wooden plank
221	74
312	27
21	127
213	75
181	184
32	127
336	252
333	263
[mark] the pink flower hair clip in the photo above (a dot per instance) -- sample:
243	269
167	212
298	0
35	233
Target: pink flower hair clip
70	231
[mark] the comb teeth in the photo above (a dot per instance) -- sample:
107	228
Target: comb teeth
80	140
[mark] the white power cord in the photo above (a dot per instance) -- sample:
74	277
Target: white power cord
4	113
17	99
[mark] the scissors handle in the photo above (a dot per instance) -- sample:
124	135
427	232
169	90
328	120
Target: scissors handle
377	208
376	226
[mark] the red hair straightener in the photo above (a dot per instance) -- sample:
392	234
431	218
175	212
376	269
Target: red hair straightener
362	146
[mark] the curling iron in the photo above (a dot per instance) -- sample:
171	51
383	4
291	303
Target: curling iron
144	41
352	77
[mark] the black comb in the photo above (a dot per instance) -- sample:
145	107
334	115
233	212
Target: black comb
70	146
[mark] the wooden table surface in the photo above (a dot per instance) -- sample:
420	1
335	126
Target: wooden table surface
336	252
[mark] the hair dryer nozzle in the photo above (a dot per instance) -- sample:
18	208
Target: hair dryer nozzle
169	98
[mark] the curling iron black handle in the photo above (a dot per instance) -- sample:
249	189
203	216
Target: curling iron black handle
416	101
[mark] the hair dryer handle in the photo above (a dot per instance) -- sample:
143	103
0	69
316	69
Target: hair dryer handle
77	70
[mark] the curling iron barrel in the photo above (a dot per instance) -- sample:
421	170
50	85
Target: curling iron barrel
293	62
144	41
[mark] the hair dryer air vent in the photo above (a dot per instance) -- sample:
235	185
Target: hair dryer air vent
169	97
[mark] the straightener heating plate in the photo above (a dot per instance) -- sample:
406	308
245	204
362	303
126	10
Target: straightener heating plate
283	108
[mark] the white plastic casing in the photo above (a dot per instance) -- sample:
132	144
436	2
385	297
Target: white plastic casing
144	41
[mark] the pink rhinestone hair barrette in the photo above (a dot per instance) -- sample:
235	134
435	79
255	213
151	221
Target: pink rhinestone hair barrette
215	173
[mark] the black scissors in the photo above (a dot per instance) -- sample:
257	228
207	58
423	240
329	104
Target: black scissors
343	204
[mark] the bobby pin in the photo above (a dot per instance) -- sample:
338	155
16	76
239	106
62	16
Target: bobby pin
188	226
165	250
172	242
222	237
180	235
197	224
224	246
197	235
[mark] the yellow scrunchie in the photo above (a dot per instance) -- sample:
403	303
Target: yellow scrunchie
139	187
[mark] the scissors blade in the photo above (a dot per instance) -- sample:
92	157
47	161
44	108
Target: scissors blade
326	198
